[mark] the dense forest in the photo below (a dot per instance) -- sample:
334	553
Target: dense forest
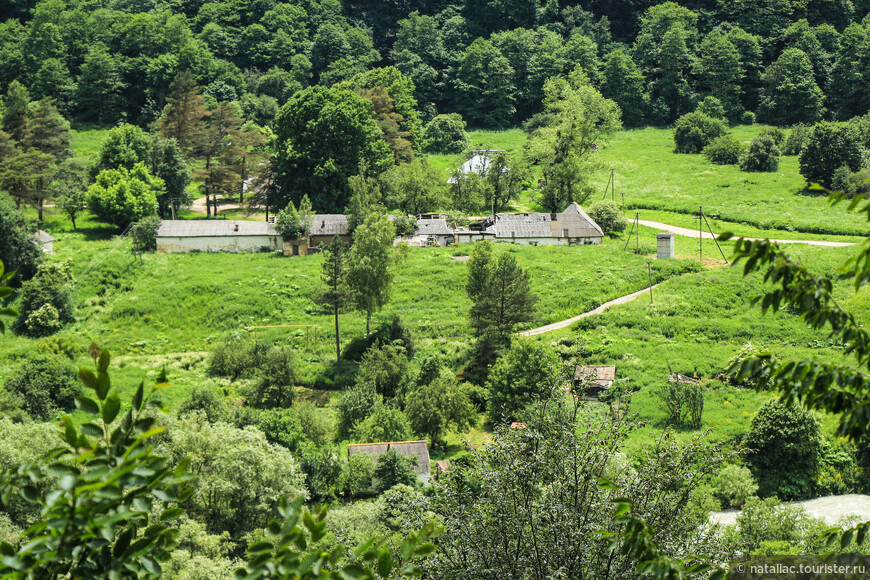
106	61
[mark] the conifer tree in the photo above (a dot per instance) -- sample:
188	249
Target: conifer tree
15	117
184	115
221	150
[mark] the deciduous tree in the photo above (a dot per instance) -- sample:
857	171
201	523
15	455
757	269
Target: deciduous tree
370	268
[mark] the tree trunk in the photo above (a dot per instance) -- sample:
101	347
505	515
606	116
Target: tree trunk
207	205
337	341
40	209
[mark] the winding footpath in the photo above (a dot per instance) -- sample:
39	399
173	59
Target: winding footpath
690	233
599	310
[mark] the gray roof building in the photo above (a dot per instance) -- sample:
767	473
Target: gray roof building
329	224
573	222
417	449
432	227
213	228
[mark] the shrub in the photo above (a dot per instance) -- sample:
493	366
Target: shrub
785	444
384	424
145	234
46	300
405	225
393	332
356	478
354	405
712	107
120	196
774	133
17	252
281	427
682	402
842	180
235	358
526	371
209	401
724	150
446	134
734	484
748	118
433	407
796	140
694	131
293	224
386	368
394	469
607	215
276	379
762	155
831	145
46	383
67	346
322	471
316	427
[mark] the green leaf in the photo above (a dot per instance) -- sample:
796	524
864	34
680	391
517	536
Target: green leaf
103	385
87	405
385	563
92	429
138	397
111	407
30	493
103	361
88	377
353	572
171	514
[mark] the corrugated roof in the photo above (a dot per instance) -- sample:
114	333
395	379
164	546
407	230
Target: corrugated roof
420	449
432	227
329	224
578	222
522	225
213	228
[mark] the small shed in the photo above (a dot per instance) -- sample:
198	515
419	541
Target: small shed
417	449
44	241
595	378
185	236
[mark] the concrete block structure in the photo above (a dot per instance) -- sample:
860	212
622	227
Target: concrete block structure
665	245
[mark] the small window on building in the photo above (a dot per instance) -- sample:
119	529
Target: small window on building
295	249
564	233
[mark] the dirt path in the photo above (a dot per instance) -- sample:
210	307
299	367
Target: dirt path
690	233
198	205
831	509
599	310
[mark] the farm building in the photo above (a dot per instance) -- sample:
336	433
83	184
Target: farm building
418	449
595	378
431	232
184	236
572	226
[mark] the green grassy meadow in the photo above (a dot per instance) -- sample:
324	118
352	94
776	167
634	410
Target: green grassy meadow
170	310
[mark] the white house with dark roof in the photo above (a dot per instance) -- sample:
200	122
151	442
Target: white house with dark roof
431	232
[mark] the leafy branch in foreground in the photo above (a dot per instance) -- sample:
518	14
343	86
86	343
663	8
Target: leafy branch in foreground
5	292
97	520
636	540
291	553
828	387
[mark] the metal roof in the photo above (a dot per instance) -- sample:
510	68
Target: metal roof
432	227
577	222
213	228
522	225
329	224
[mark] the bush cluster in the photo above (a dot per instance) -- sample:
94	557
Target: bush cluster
694	131
724	150
762	155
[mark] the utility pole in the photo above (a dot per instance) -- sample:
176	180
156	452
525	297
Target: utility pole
700	233
649	277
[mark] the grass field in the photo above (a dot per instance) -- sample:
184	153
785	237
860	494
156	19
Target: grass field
695	324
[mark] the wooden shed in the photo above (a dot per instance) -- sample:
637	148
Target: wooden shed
595	378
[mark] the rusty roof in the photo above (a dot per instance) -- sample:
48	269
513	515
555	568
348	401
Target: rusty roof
595	372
